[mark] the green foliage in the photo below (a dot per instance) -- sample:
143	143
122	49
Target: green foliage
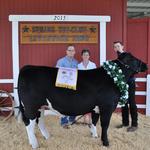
115	72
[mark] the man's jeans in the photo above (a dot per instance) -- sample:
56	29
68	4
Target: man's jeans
67	120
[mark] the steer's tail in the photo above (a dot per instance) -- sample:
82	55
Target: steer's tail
21	113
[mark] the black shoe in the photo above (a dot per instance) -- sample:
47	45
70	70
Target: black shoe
131	129
121	126
66	126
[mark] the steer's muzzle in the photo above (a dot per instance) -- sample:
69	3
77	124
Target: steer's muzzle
144	67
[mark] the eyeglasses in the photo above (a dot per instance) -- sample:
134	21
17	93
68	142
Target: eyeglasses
70	50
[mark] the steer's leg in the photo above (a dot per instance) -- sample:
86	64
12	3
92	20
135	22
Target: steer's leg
105	115
95	117
41	125
31	133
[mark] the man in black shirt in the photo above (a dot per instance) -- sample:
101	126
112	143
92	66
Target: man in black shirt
119	49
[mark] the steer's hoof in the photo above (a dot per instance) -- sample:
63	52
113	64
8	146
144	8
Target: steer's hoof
47	135
35	146
105	143
94	135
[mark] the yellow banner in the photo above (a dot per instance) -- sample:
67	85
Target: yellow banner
58	33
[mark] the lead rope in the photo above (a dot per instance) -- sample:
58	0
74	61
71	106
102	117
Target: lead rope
76	120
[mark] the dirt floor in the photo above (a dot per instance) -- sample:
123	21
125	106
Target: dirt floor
13	136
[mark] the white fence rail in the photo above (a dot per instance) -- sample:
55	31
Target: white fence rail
141	93
148	96
6	81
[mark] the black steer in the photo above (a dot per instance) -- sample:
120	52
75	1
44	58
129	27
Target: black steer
36	85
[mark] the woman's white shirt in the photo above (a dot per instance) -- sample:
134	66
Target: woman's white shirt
89	66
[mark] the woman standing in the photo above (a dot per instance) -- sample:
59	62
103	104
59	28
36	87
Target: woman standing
86	64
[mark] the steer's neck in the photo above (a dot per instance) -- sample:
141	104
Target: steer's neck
127	72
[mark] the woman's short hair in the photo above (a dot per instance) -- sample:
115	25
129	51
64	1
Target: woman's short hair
85	51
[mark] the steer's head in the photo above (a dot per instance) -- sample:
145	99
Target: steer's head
131	64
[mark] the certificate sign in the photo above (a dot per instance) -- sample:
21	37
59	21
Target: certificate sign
67	78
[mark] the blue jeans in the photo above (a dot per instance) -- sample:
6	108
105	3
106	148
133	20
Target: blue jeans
67	119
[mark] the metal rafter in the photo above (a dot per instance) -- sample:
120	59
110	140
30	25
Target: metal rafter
138	8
